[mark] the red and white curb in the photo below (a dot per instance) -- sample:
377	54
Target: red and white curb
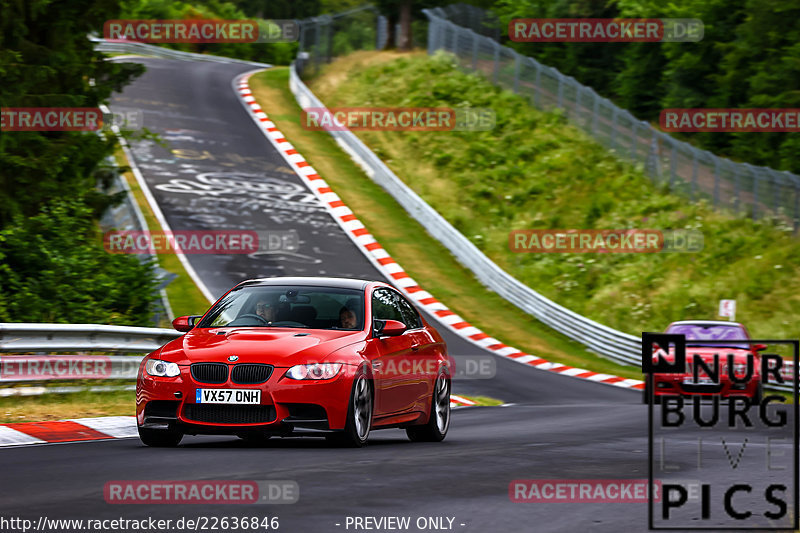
460	401
384	263
74	430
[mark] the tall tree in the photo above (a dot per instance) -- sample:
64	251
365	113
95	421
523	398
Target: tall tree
47	61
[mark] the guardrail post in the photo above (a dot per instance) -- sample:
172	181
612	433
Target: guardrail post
301	40
673	157
776	191
614	127
756	179
796	206
496	62
433	25
560	98
315	48
475	46
382	33
653	162
517	63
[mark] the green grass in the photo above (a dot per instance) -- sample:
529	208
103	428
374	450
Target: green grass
61	406
483	400
535	171
424	258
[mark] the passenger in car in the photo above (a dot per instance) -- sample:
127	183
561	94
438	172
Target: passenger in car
347	318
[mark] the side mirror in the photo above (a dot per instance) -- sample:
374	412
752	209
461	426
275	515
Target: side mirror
184	323
759	347
391	328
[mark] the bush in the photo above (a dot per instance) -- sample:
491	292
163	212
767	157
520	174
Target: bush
53	268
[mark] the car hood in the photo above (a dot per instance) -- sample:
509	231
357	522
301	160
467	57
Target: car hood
275	346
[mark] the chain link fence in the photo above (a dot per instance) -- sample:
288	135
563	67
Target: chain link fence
325	37
676	165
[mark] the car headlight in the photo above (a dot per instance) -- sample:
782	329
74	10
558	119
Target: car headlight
159	368
314	371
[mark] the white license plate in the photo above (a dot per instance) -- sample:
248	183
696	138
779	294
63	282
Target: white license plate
240	396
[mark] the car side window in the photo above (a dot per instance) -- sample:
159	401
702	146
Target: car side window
385	306
410	316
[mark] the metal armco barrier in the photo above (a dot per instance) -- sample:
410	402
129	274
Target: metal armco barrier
38	338
35	337
121	47
603	340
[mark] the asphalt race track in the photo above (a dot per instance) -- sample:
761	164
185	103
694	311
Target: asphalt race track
223	174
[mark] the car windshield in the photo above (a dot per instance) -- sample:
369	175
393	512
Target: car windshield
288	306
710	332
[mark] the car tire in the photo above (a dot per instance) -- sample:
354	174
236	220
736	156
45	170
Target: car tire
160	438
359	415
435	429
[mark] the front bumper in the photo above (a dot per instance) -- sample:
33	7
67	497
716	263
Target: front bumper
286	404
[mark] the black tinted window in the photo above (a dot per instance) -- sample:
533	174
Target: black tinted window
287	306
410	315
385	306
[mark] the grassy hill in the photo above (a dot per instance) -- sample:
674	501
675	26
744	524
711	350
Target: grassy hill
534	170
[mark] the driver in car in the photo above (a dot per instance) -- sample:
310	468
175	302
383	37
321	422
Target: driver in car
347	318
266	311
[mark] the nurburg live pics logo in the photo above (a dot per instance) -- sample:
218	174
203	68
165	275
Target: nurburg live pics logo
741	499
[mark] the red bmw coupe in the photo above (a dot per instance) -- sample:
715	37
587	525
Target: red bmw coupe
298	356
745	359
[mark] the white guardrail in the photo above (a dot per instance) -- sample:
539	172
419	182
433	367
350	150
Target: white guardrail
603	340
122	47
35	339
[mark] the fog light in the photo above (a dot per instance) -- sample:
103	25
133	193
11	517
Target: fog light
178	395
